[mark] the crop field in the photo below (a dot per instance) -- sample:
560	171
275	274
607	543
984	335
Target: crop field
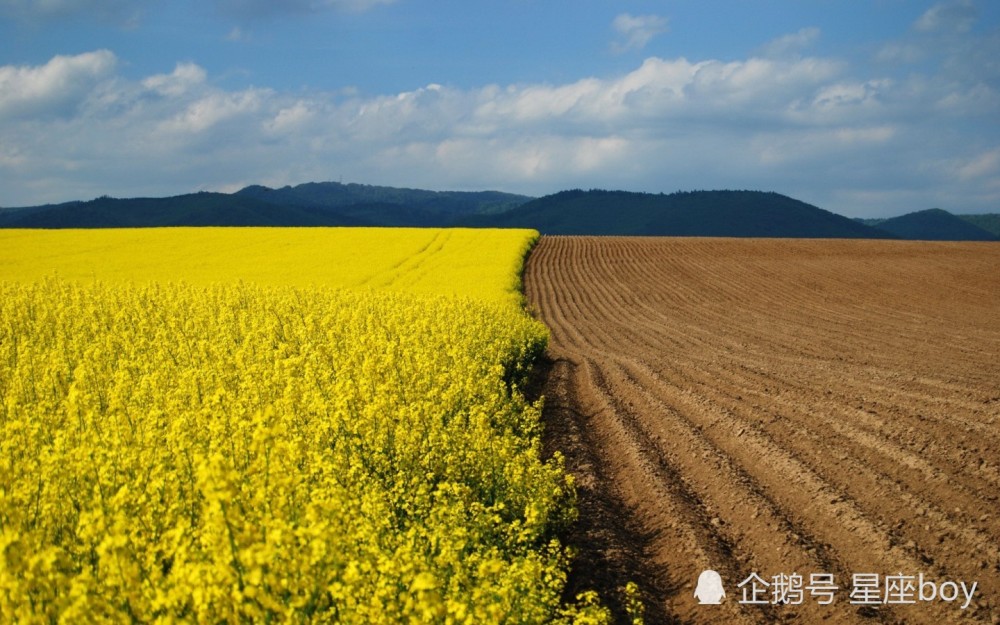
475	263
779	407
201	426
328	425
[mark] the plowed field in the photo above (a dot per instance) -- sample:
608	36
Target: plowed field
778	407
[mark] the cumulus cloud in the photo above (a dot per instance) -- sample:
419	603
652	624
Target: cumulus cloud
56	88
635	31
184	77
74	128
954	17
849	95
659	89
791	44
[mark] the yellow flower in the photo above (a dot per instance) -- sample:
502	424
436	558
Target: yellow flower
263	435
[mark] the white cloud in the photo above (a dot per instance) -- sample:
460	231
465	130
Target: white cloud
291	118
659	88
184	77
982	165
55	88
953	17
74	128
791	44
976	100
207	112
530	158
636	31
785	148
854	95
900	52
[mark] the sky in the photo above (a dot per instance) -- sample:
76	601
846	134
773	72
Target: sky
869	109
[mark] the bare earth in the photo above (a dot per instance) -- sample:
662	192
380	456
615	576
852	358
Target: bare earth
777	407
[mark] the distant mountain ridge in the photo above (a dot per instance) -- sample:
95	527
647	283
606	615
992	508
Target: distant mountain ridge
594	212
338	195
691	213
935	224
310	204
195	209
990	222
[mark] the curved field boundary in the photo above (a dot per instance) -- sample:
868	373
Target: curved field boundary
777	406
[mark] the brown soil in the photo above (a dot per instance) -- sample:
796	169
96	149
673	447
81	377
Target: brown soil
776	406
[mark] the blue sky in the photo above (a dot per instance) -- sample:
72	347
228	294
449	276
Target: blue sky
864	108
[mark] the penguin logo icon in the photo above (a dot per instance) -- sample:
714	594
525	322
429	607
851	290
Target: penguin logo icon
709	590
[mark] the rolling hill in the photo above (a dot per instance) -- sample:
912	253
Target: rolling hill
989	222
195	209
334	195
697	213
311	204
934	224
594	212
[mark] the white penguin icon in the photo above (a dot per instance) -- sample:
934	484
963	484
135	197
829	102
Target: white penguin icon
709	590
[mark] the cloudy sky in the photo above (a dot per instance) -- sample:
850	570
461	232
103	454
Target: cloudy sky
865	108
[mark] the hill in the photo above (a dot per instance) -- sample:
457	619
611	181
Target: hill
311	204
989	222
195	209
337	195
594	212
934	224
696	213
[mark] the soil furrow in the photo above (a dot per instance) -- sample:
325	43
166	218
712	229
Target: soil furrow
777	406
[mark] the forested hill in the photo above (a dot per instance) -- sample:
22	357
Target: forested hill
696	213
935	224
989	222
594	212
311	204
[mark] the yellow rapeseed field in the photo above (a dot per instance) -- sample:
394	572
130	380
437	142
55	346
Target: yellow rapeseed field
204	426
467	262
